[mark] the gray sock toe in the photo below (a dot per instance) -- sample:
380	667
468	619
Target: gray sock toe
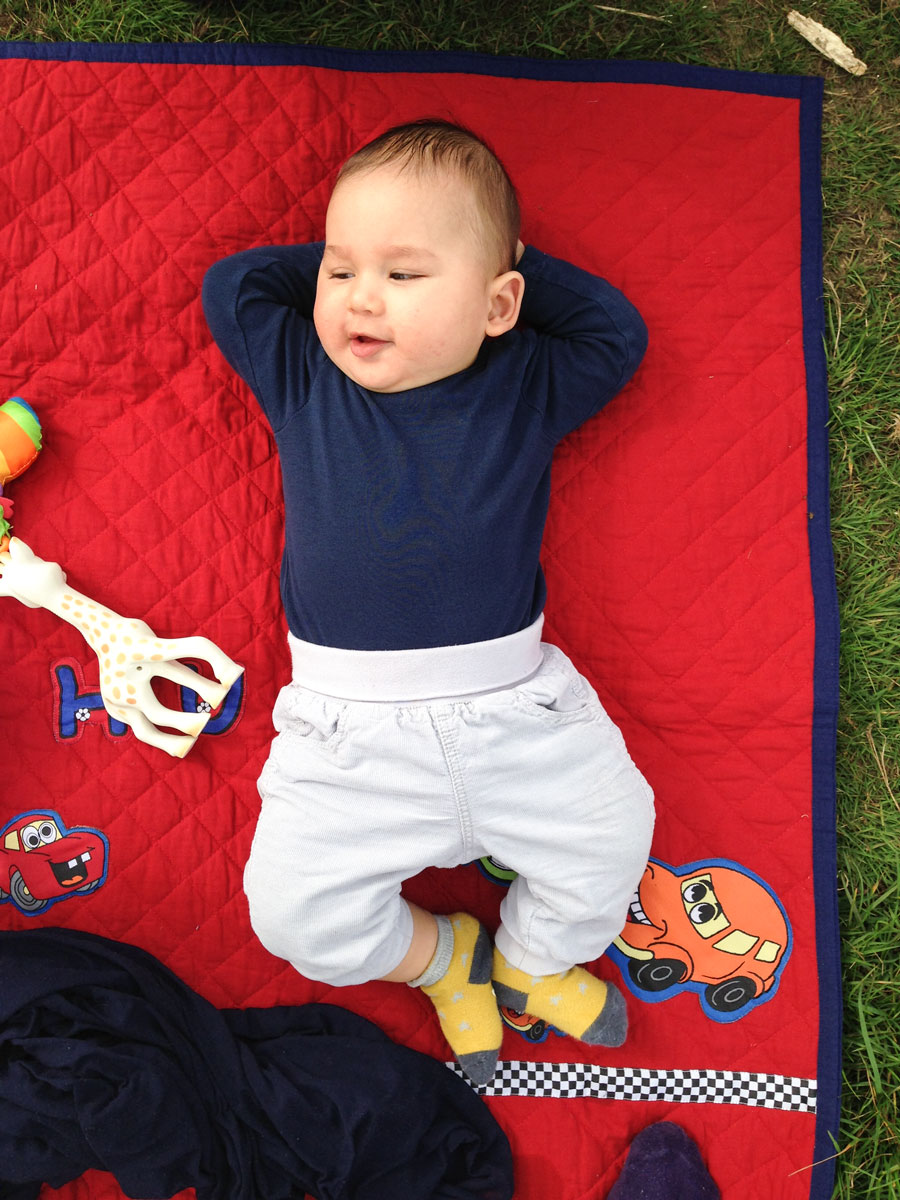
479	1067
611	1026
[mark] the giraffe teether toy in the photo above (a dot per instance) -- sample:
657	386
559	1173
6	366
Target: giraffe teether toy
129	652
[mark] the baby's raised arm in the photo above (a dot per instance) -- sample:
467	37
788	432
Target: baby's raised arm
259	306
590	338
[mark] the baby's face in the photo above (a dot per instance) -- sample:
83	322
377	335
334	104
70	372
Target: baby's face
404	290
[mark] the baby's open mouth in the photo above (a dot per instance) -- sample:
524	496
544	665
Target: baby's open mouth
363	346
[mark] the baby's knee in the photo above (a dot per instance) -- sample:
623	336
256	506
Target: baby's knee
644	820
318	938
631	831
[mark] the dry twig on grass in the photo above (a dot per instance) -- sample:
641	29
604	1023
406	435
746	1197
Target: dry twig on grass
826	43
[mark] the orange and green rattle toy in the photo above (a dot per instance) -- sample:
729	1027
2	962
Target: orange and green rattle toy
20	444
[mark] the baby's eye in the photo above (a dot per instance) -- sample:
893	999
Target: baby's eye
404	275
340	274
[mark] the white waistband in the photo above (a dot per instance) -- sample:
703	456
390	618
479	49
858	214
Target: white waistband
415	675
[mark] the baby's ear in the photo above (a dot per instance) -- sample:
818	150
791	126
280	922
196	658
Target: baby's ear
506	295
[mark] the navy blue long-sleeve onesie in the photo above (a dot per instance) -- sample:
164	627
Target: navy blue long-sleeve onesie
414	519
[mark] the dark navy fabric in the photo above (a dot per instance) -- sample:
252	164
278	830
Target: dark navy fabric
414	519
109	1061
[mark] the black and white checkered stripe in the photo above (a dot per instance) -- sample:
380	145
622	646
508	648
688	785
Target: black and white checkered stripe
567	1081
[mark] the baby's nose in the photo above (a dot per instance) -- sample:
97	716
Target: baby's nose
365	296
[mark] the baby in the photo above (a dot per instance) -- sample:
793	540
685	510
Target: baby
418	370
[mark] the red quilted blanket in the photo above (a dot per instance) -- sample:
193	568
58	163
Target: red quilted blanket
687	554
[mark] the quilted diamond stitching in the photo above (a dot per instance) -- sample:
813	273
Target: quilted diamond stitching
167	485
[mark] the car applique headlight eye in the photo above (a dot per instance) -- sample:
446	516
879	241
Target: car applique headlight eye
702	907
737	942
694	892
768	952
701	914
31	837
42	833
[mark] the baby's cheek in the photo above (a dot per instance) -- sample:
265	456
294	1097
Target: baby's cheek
328	337
319	321
324	314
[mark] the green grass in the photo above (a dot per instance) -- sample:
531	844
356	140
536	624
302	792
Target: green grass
862	268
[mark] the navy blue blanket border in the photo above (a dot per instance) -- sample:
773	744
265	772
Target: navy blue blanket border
827	644
418	61
809	91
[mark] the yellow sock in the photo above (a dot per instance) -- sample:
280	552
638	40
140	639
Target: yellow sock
458	983
575	1001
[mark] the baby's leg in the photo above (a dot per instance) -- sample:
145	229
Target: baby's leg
553	920
329	853
422	946
566	910
354	803
457	980
576	826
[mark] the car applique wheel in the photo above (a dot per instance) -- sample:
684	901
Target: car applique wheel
730	995
657	974
537	1032
21	896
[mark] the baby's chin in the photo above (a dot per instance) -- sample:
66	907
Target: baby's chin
379	377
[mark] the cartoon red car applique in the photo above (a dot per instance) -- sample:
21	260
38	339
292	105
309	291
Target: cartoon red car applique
41	861
532	1029
710	927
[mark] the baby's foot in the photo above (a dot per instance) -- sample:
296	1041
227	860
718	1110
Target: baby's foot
575	1001
465	1002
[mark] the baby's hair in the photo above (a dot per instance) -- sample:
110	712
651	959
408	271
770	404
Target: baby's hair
433	144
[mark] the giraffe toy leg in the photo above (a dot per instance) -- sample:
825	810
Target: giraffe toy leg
129	653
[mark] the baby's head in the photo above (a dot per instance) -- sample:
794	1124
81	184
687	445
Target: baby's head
422	235
449	153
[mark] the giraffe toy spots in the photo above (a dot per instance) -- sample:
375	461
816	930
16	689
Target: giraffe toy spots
130	654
